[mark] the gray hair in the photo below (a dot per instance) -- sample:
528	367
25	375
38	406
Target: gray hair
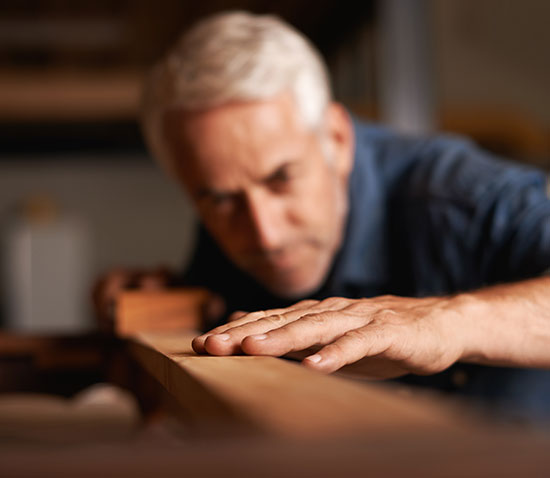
234	56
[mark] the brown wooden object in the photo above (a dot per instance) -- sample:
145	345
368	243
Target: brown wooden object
279	397
172	309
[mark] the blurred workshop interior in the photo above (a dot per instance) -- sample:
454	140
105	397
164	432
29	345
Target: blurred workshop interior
79	193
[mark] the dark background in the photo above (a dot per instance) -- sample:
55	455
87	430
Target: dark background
71	153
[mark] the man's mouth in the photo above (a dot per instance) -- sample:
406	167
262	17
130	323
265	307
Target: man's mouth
278	260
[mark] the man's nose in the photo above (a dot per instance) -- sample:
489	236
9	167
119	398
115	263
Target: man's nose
266	216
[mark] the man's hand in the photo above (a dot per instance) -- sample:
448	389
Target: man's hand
421	336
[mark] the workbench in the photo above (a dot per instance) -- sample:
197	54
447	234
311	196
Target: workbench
264	416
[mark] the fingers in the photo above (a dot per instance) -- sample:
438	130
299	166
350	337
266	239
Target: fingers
311	329
228	341
396	335
232	333
352	346
198	342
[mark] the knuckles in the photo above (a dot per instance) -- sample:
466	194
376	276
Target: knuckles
257	315
354	334
385	316
317	319
306	303
276	320
335	301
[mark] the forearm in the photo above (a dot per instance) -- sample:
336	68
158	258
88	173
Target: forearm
508	324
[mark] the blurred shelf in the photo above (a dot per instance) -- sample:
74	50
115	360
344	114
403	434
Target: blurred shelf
28	95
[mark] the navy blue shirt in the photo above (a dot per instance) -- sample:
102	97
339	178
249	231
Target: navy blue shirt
427	217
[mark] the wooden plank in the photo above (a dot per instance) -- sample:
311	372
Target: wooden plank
279	397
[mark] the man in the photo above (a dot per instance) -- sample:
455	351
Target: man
310	218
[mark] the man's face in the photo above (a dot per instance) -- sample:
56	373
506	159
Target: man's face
270	190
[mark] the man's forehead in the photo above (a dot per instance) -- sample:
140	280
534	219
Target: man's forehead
274	113
249	140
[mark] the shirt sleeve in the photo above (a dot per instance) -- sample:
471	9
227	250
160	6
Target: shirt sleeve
478	219
519	227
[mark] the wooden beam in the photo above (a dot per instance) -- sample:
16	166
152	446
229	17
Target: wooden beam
278	397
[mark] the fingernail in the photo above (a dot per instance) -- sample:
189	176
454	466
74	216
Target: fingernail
259	337
314	358
224	337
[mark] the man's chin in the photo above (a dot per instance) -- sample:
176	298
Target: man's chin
292	291
289	283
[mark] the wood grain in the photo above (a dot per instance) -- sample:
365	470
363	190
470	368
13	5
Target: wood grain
280	397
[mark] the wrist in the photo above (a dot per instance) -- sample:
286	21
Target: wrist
470	326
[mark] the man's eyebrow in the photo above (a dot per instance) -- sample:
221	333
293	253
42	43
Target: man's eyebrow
209	192
278	170
206	192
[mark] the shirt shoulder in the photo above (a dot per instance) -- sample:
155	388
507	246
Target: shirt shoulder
458	209
442	166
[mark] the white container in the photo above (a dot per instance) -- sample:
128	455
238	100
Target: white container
46	271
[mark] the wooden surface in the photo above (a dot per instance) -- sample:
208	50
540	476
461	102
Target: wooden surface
279	397
158	310
297	423
385	455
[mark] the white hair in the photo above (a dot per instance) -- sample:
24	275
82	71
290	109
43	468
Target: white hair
234	56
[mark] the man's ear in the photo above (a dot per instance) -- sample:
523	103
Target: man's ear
341	140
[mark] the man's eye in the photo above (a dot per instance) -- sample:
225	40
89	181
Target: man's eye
221	200
281	175
279	179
